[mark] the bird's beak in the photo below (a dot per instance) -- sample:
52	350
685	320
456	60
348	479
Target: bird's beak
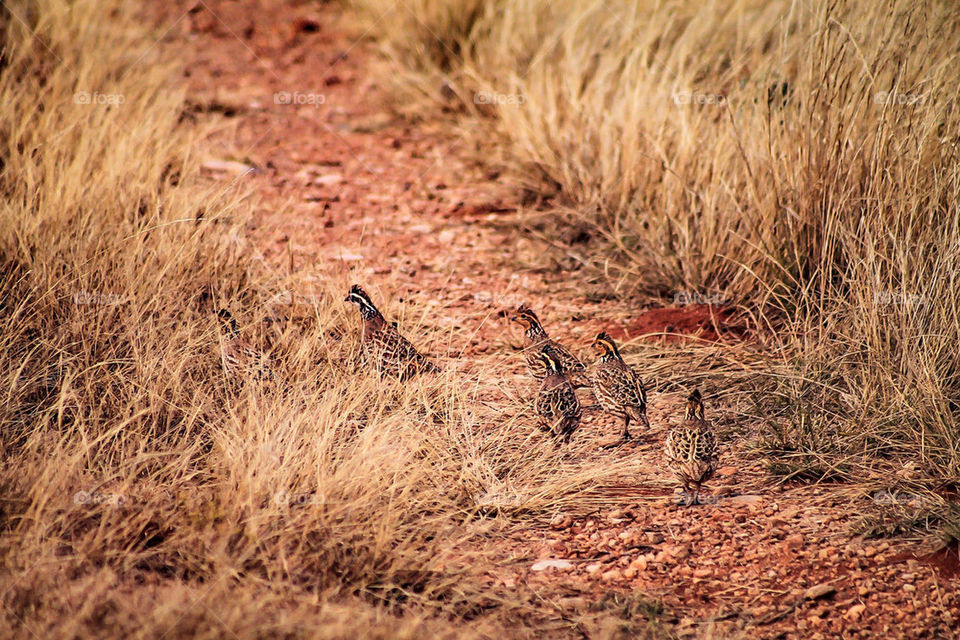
347	299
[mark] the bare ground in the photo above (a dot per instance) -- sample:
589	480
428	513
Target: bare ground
346	186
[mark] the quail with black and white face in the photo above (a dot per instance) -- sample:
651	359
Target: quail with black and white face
535	338
239	358
619	389
556	404
691	449
382	346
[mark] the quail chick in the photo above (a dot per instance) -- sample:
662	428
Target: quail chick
557	405
691	449
535	338
239	358
618	387
382	346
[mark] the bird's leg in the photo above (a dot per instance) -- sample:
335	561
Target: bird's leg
685	495
626	428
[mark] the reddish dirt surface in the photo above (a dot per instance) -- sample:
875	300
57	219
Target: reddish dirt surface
710	323
346	184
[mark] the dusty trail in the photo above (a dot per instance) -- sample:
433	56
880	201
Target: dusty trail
341	183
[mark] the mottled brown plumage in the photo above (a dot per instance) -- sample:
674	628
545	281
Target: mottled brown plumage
536	338
691	449
382	346
239	358
556	404
618	387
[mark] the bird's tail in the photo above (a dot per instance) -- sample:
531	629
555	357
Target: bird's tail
640	415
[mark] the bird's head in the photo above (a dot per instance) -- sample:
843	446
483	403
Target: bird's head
694	408
604	345
359	297
525	316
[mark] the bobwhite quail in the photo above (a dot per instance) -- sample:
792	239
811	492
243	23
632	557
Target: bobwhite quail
557	405
535	339
382	346
239	358
618	387
691	449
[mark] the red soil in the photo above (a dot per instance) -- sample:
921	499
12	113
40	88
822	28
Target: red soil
710	323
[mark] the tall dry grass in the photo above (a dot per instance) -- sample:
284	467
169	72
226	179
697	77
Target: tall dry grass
144	494
801	160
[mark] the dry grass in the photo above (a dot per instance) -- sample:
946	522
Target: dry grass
146	495
799	160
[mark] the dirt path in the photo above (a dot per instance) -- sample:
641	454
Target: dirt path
341	182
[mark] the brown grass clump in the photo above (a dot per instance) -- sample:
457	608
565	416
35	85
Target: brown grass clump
802	161
143	493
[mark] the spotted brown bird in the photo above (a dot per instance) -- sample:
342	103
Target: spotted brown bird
535	338
239	358
556	404
382	346
619	389
691	449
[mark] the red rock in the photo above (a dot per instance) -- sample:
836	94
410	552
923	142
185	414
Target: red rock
794	542
854	612
819	591
654	537
611	576
789	514
677	551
